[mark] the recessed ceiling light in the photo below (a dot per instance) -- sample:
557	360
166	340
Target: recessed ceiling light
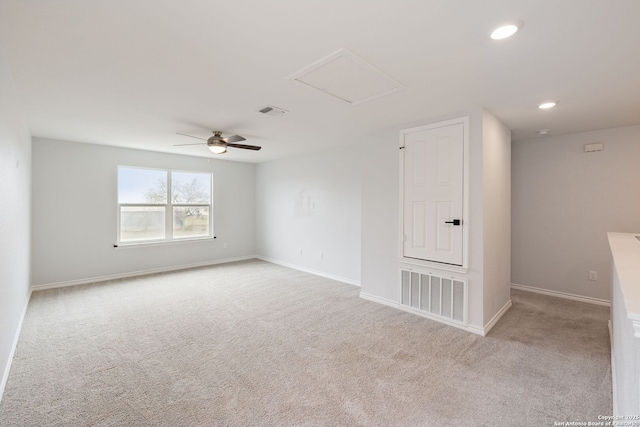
546	105
506	30
543	132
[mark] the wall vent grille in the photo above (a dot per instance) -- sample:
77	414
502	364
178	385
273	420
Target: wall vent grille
270	110
442	297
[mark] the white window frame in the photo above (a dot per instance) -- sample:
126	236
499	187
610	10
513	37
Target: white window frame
168	210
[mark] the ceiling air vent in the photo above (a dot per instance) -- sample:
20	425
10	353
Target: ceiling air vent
270	110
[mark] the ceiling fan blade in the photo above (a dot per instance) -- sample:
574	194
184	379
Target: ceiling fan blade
235	138
246	147
190	136
197	143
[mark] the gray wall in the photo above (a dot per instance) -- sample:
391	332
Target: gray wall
496	203
381	216
74	221
564	203
15	212
308	212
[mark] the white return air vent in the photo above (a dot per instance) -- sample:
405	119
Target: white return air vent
436	297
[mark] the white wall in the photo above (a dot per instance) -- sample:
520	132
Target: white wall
74	213
15	212
312	204
565	201
496	202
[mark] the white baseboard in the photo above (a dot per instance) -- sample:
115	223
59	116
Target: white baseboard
497	317
379	300
137	273
469	328
395	304
564	295
310	271
16	337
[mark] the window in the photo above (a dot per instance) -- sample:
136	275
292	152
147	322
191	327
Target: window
159	205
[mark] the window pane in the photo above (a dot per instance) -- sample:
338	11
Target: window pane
190	221
190	187
142	185
141	223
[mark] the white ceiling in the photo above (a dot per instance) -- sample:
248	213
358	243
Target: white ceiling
132	73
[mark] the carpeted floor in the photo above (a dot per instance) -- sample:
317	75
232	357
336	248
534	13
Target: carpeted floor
256	344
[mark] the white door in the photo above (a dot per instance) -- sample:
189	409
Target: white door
433	194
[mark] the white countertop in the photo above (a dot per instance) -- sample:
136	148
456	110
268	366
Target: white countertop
625	248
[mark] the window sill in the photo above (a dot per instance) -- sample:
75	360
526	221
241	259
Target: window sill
161	242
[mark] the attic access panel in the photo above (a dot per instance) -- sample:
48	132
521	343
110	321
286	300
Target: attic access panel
347	77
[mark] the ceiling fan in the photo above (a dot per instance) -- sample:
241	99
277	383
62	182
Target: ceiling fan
218	145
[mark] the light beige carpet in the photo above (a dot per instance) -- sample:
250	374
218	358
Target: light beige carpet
256	344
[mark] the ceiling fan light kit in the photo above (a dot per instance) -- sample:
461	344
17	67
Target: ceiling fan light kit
217	148
217	144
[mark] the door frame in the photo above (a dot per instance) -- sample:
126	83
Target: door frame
468	222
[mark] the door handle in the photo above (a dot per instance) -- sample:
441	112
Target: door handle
454	222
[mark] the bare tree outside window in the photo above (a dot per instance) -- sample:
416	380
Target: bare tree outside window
191	198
